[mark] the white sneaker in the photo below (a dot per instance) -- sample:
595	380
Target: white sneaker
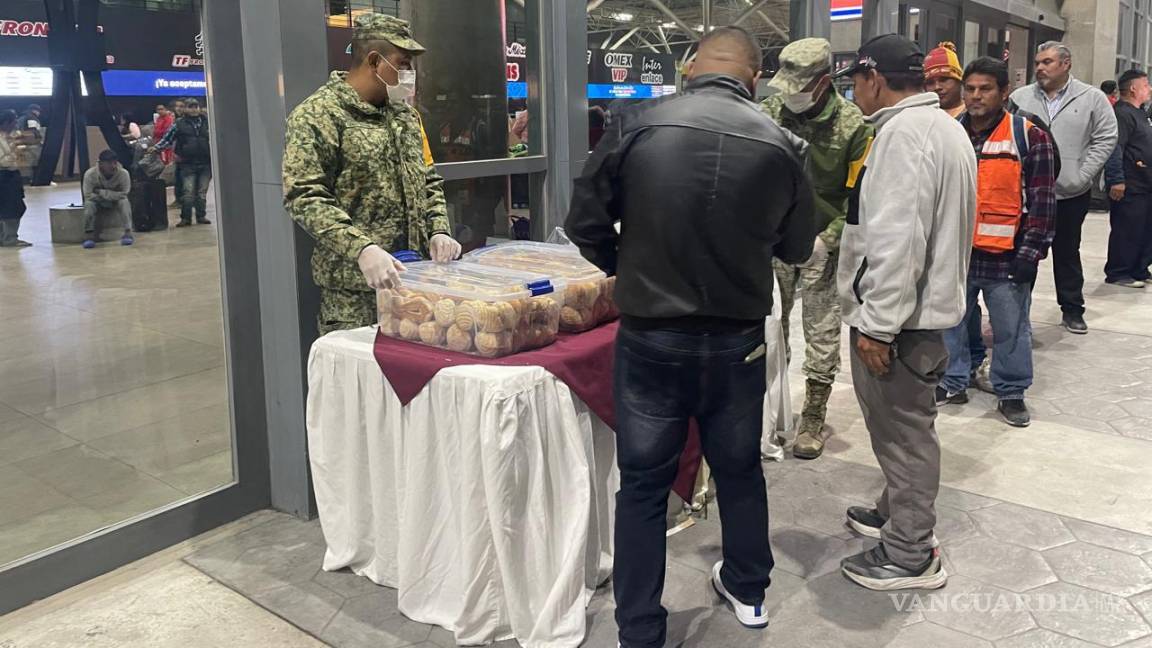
749	616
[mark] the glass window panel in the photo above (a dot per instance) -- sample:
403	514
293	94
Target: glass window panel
474	104
113	380
485	209
971	40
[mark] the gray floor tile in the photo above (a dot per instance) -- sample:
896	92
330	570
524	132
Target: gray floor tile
307	606
826	514
24	496
202	475
962	501
1126	541
23	437
809	554
953	525
923	635
373	621
345	583
1022	526
972	607
1011	567
1101	569
1043	639
1087	614
1134	426
47	530
284	551
1143	604
858	484
170	444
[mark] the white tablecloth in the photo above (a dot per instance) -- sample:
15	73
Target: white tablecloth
487	502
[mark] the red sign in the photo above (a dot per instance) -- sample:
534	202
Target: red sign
23	28
512	71
619	75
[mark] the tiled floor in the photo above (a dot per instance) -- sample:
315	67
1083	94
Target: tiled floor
1047	531
1058	514
113	397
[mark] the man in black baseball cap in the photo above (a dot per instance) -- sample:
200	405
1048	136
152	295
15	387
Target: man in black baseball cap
903	266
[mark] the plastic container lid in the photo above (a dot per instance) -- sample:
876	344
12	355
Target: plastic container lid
477	282
552	260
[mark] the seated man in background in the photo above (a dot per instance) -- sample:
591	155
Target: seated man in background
106	188
1014	230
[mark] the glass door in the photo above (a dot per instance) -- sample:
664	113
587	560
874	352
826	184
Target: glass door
131	403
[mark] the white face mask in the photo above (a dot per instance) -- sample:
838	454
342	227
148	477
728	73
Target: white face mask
405	89
800	103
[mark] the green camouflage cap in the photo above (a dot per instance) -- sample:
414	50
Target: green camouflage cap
387	28
800	62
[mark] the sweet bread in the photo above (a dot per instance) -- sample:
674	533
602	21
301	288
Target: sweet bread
459	340
416	309
409	330
432	333
445	313
508	316
493	344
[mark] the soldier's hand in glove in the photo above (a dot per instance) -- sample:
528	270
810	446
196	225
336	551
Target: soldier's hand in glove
444	248
1022	271
380	269
819	255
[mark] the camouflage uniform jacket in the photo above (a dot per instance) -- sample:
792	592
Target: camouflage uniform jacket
838	140
355	175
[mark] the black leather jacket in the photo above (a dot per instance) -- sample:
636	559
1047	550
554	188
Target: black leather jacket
707	189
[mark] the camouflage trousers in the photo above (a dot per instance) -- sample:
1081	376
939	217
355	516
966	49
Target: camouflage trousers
821	314
345	309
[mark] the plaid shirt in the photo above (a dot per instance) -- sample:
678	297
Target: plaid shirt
1039	224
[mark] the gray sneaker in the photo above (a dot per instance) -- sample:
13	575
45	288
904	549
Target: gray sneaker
1015	412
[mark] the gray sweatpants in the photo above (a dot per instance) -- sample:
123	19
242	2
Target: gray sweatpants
900	412
117	214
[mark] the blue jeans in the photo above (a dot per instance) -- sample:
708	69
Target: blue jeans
196	178
1009	306
662	379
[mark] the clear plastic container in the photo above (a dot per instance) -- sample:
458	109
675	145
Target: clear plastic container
588	297
465	307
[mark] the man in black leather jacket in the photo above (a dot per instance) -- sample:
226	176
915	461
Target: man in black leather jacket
707	190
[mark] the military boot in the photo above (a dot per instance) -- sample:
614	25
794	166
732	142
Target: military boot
810	440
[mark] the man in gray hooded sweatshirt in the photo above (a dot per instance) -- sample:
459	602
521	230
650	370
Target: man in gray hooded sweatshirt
1083	124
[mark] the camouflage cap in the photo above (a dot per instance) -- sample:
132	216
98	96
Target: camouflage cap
800	63
387	28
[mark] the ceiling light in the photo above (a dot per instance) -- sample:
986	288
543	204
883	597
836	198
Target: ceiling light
699	28
622	17
668	25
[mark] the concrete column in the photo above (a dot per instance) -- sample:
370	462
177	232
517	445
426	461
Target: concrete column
1091	32
809	19
880	17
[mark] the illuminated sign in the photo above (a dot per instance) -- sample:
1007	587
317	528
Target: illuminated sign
847	9
136	83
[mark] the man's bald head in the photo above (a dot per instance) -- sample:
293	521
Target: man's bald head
731	51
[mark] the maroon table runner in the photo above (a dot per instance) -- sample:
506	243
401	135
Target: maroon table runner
583	361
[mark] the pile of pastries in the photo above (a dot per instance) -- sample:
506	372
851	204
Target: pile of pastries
588	298
462	310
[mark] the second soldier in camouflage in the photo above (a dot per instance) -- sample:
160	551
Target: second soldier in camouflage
807	105
359	176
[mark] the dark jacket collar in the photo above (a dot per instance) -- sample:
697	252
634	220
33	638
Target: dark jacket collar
719	82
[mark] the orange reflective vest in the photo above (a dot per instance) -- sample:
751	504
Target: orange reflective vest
1000	201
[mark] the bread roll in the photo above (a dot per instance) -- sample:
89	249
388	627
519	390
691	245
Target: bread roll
600	310
489	320
432	333
459	340
388	325
409	330
508	315
466	316
445	313
493	344
572	319
417	309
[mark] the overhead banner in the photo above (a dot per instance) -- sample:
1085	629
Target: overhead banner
619	67
135	39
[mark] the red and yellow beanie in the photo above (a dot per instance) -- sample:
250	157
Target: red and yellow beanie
943	62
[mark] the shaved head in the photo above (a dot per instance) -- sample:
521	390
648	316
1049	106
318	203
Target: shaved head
729	50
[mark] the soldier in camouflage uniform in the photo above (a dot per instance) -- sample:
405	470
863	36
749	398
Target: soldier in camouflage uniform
359	176
808	106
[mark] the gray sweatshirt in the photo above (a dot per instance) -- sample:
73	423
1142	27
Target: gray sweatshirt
1084	127
904	255
99	189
